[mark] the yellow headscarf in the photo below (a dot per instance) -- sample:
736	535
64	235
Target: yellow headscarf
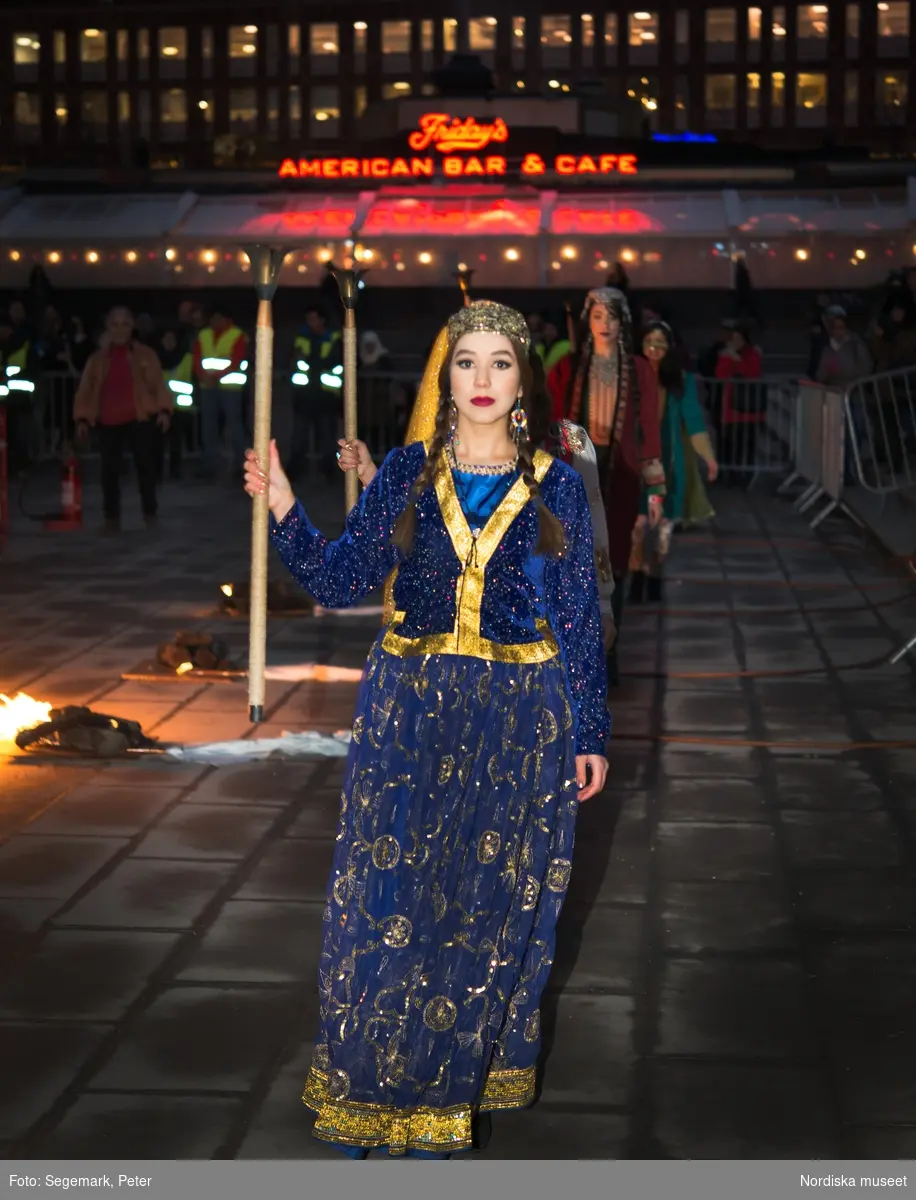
420	429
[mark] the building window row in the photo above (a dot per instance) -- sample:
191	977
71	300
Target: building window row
564	41
166	115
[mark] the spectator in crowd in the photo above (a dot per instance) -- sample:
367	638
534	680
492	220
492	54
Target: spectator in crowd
124	397
316	374
744	297
892	343
373	356
819	337
845	358
177	361
221	373
145	330
553	345
743	405
383	400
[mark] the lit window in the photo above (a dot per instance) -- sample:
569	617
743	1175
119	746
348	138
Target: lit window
812	30
359	38
60	48
324	112
27	115
851	98
396	91
777	98
721	25
811	98
395	37
753	99
173	113
720	97
206	48
243	110
427	36
753	24
294	110
555	31
61	111
324	40
518	42
173	44
450	35
482	33
891	97
643	28
588	30
94	111
852	33
243	42
293	41
893	27
681	102
26	49
682	28
123	109
93	46
360	99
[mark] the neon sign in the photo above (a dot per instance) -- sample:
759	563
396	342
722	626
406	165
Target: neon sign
447	134
450	165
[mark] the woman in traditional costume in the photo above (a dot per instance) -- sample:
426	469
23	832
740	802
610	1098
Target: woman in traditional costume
685	442
612	393
481	725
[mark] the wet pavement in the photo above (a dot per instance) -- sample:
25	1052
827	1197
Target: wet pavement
737	956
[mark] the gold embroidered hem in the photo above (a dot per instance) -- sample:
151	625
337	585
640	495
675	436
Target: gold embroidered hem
443	1130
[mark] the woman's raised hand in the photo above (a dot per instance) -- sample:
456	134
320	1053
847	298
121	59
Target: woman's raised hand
355	456
280	497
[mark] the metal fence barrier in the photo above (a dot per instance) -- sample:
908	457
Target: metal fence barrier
881	414
753	422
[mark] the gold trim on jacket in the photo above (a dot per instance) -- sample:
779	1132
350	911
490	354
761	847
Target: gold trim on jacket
474	553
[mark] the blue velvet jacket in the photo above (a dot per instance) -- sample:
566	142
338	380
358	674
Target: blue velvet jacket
483	593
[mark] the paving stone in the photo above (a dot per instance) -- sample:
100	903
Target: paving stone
734	1007
52	867
542	1133
149	1127
39	1061
717	800
724	852
282	1126
597	949
83	974
823	782
203	1039
319	816
850	900
841	838
151	772
726	918
232	698
192	728
256	783
707	762
150	894
703	712
881	1143
609	876
20	920
208	831
258	941
93	810
291	870
592	1055
732	1111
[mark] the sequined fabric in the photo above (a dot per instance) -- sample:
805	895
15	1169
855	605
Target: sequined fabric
527	608
451	864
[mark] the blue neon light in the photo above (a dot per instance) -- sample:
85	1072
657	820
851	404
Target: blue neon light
707	138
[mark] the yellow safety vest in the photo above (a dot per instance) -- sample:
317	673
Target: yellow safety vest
14	377
330	380
180	380
216	355
560	349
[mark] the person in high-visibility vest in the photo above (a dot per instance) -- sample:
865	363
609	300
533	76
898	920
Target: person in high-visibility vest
177	359
316	379
17	387
551	347
221	372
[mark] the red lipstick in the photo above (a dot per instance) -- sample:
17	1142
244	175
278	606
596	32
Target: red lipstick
482	401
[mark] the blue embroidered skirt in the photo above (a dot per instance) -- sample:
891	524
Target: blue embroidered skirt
453	855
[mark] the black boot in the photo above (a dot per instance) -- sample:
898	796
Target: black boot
637	587
654	590
482	1130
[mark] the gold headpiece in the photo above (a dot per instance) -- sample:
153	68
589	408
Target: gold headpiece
486	316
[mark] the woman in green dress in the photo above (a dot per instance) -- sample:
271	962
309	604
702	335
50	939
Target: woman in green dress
685	442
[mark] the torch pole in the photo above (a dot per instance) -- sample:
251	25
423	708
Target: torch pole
348	280
266	262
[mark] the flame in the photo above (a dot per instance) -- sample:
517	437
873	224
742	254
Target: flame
20	712
226	589
183	668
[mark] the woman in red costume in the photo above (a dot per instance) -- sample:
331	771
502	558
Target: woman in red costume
612	393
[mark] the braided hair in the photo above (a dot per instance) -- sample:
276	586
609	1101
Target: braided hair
551	540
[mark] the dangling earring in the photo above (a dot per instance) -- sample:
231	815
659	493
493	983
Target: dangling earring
518	421
453	424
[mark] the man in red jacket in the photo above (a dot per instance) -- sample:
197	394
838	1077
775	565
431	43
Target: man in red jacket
124	396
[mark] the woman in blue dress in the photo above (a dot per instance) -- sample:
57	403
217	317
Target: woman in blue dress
481	725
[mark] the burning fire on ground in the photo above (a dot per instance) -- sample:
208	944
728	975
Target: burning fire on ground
20	712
